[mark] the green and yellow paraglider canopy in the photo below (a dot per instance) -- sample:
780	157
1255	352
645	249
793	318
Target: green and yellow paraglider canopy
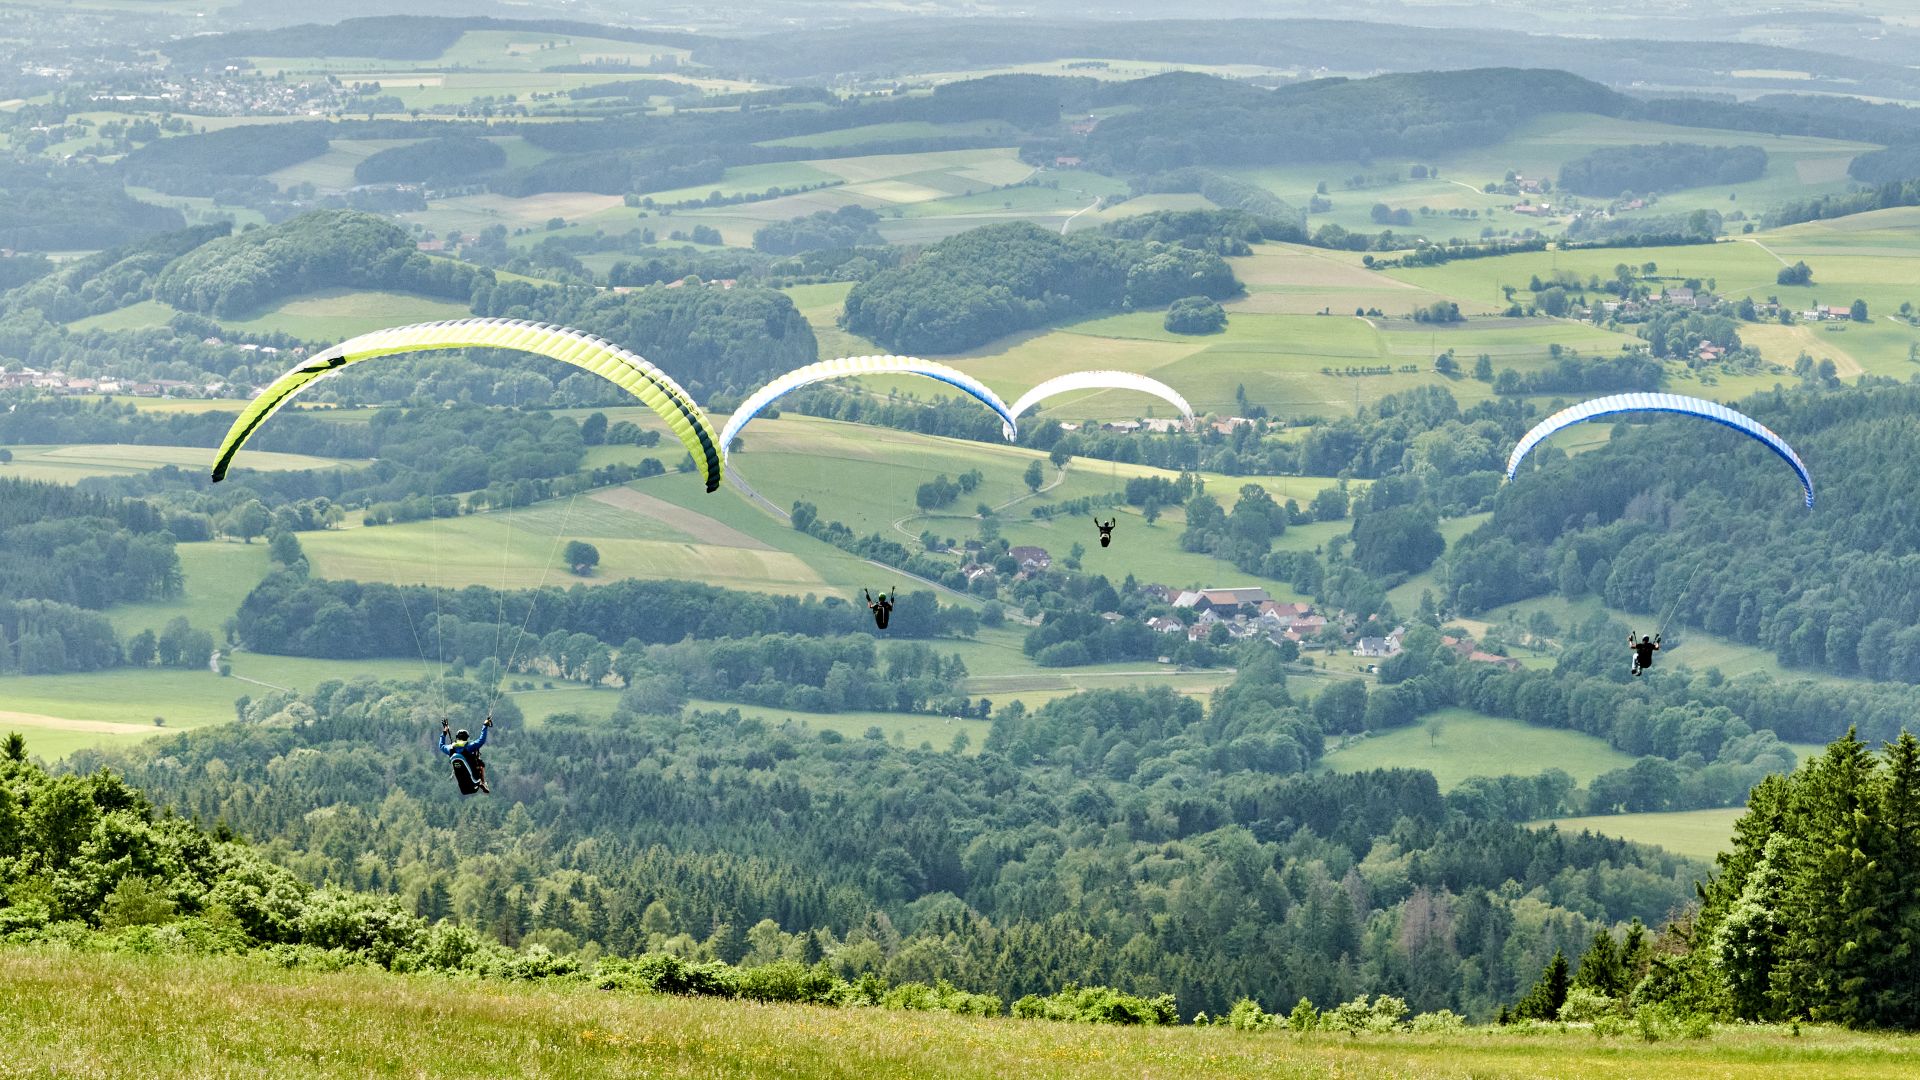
611	362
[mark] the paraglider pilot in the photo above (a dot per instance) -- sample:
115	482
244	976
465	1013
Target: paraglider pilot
468	770
882	608
1106	530
1643	651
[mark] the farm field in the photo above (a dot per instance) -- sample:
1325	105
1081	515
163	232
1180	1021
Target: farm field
595	705
1797	167
325	315
498	50
641	538
218	575
68	462
1471	744
1698	834
59	714
180	1014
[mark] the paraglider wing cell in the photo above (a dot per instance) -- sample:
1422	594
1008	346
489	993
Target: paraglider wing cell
1667	403
851	366
622	368
1097	380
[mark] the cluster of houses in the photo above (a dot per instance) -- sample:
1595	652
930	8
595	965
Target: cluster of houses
1225	425
1031	560
57	383
1248	612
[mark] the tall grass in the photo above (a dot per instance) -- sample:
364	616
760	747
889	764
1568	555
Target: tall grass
75	1014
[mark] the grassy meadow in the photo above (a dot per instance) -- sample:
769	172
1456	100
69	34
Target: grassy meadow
1699	834
324	315
227	1016
69	462
1472	744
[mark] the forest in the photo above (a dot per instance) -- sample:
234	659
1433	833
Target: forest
1820	591
1207	866
448	160
1199	120
1615	170
237	274
969	289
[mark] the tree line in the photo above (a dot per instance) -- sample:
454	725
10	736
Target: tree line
707	824
971	288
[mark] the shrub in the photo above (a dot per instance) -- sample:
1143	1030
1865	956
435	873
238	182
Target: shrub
1585	1006
1195	315
1446	1020
942	996
1097	1005
1383	1014
1304	1016
1248	1016
787	980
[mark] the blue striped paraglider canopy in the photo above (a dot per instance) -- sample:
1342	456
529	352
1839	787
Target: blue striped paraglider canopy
1666	403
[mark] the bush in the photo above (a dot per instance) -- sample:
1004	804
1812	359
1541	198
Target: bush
1304	1016
787	981
1248	1016
1097	1005
1382	1014
1434	1023
1583	1006
942	996
1195	315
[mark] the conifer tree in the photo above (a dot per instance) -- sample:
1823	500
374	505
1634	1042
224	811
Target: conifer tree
1548	994
1600	967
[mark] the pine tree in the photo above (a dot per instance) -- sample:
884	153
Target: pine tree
1839	897
1895	1001
1600	968
1544	1000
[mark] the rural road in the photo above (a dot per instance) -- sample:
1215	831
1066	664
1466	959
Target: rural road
1094	205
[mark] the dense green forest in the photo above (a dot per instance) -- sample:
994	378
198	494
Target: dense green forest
710	339
1714	530
53	208
451	159
237	274
1205	866
1616	170
972	288
1187	119
1816	910
849	226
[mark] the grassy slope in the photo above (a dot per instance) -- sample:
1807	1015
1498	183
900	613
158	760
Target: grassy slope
1471	744
67	463
323	315
114	1015
1797	167
1701	834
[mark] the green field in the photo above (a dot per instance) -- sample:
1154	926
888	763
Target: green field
1699	834
112	1014
218	576
1471	744
904	129
326	315
62	713
1797	167
68	462
651	536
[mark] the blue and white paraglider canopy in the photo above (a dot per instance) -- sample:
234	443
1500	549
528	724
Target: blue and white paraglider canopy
1667	403
852	367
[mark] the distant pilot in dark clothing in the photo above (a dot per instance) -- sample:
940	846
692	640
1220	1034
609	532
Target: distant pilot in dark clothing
1643	651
